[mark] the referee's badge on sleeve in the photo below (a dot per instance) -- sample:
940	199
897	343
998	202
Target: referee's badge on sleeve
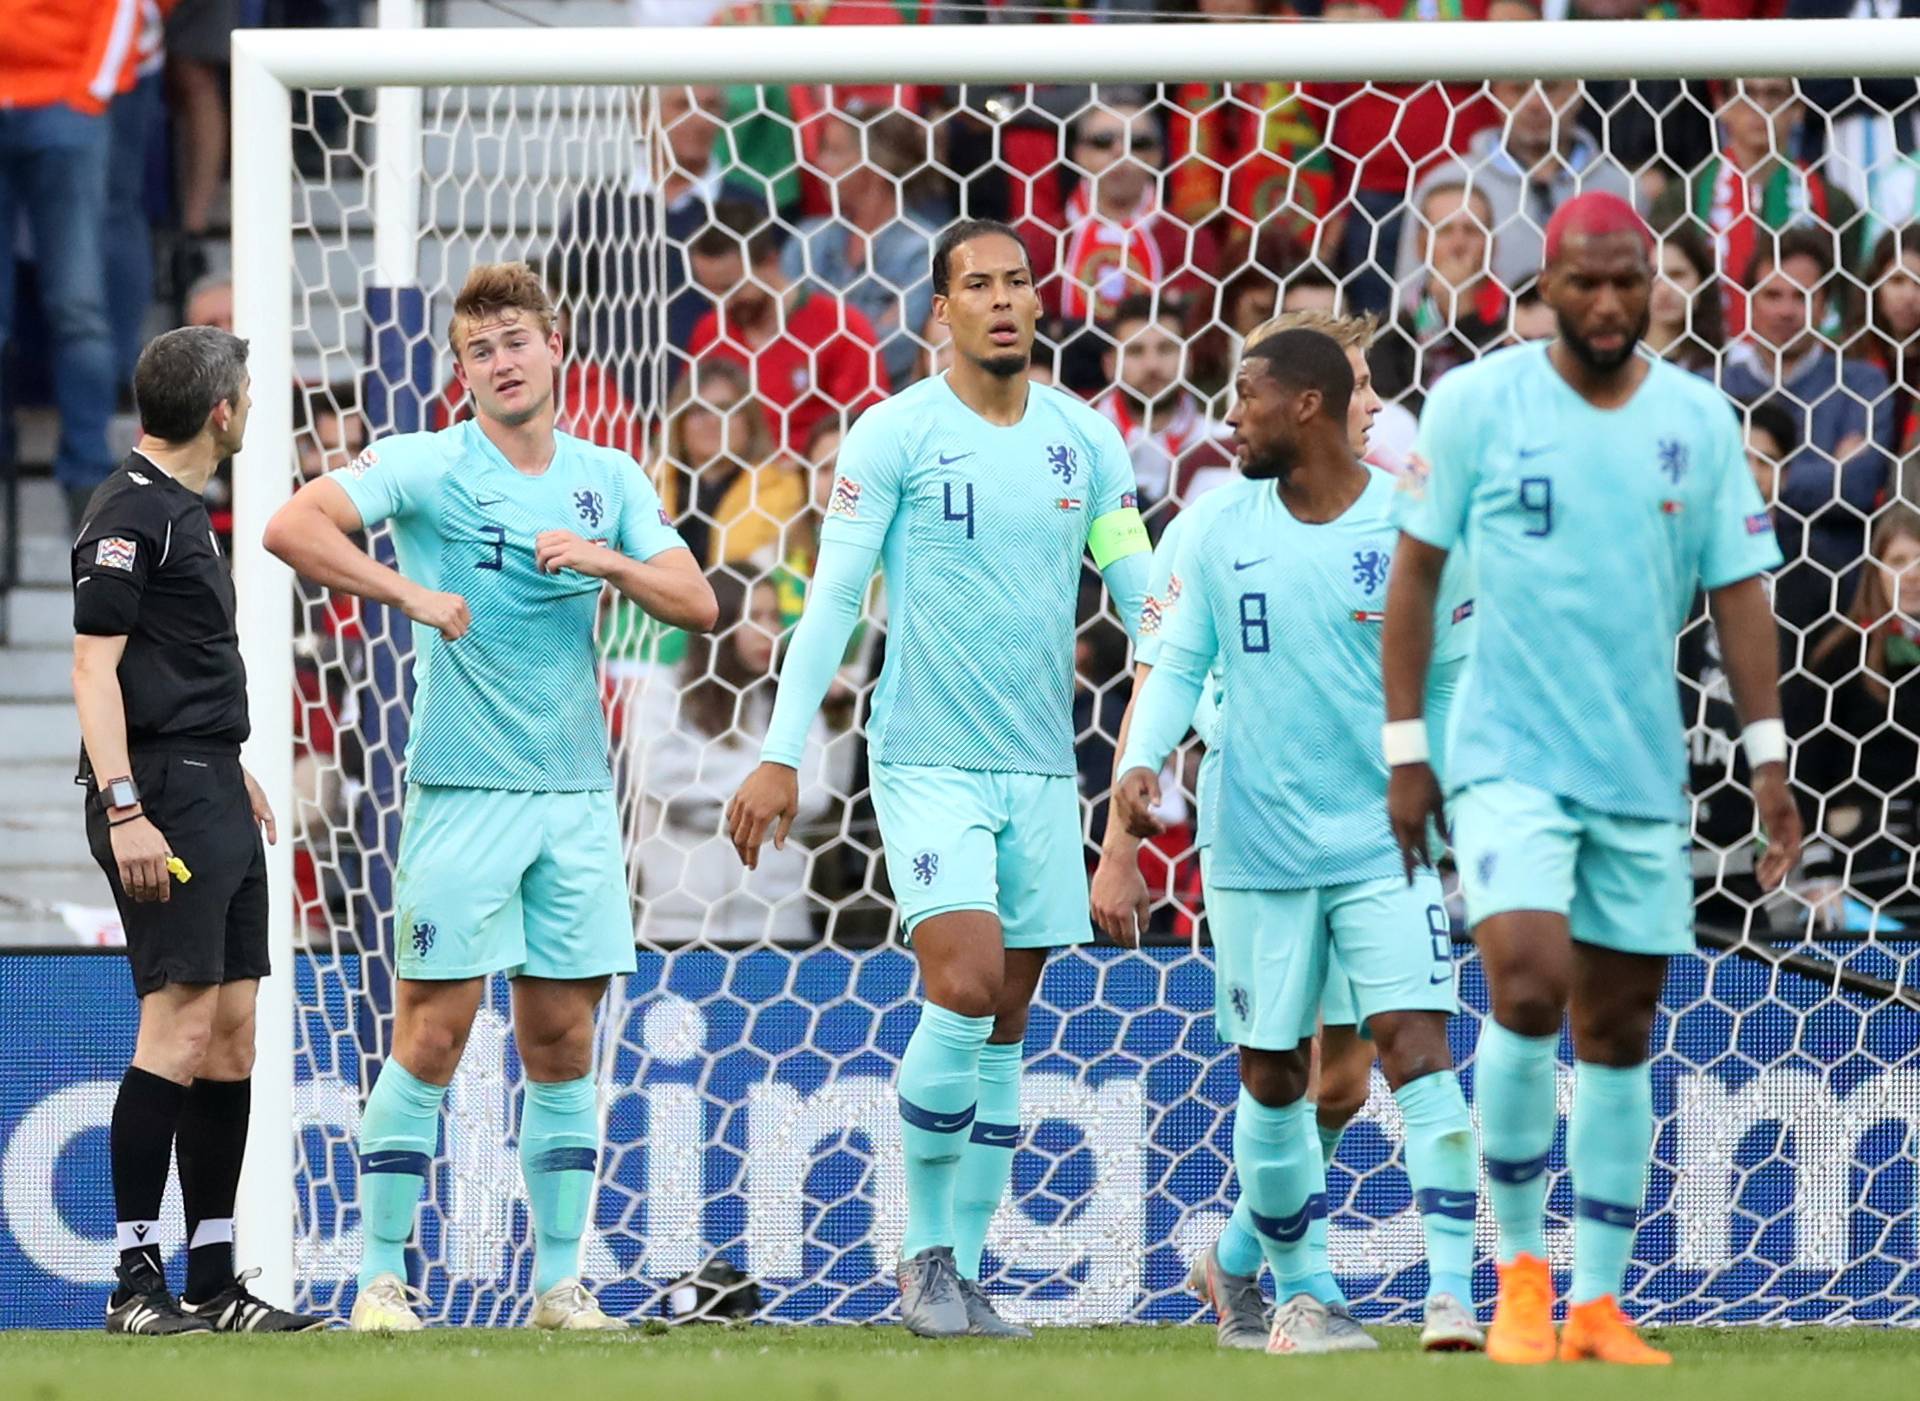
115	553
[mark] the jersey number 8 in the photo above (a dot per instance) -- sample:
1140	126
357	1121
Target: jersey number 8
1253	622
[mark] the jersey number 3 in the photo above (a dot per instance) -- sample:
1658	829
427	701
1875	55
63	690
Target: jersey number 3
497	536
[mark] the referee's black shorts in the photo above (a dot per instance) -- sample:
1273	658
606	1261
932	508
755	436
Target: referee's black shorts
213	929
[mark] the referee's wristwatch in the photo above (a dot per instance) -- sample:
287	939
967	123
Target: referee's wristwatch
121	793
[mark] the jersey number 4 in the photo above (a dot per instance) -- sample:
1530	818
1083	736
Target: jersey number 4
961	515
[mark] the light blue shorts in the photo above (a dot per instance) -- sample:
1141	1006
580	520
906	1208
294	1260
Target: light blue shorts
1337	1006
1009	843
492	881
1273	949
1623	883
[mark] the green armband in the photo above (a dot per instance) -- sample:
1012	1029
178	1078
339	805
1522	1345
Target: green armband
1116	535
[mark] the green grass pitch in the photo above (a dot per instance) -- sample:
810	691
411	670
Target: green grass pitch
858	1364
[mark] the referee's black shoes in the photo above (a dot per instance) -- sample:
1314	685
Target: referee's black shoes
142	1305
235	1310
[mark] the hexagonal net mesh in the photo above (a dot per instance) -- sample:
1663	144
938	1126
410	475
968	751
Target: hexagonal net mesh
738	272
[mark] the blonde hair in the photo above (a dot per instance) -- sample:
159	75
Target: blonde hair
1351	332
492	289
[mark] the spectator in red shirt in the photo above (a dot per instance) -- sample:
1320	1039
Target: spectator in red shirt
1113	239
807	355
1383	137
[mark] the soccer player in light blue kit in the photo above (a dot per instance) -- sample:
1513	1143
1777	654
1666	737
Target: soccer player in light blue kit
1282	583
510	853
1227	1275
1596	490
979	493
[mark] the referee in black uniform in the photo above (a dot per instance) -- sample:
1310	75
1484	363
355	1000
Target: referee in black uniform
176	824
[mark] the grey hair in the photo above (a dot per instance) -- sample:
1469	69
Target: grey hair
181	376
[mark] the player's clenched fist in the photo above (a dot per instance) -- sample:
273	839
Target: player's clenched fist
445	612
1134	798
555	550
771	792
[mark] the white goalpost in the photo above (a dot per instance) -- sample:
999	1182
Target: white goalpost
707	1141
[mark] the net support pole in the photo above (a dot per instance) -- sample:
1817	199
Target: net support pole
400	349
397	385
263	302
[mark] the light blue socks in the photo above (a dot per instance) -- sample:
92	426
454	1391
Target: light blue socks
1609	1142
1513	1082
559	1151
987	1160
1238	1248
1284	1185
939	1088
1326	1288
1441	1170
399	1132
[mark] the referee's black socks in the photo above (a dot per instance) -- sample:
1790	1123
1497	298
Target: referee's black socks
140	1140
213	1143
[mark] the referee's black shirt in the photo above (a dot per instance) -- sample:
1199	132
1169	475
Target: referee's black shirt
146	567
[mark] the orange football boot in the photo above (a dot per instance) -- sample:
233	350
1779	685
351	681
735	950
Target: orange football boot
1597	1331
1522	1331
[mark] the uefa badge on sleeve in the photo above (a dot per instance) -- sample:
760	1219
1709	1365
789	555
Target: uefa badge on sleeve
845	500
115	552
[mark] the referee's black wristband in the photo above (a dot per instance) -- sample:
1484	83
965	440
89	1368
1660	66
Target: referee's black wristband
123	821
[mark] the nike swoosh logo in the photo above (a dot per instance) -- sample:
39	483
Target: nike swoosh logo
946	461
949	1123
1240	564
1535	451
494	501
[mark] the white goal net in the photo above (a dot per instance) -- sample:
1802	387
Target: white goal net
743	266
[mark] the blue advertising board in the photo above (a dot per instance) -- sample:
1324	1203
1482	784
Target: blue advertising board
750	1114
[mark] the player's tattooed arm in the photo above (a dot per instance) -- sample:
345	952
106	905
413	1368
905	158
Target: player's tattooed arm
1406	651
1749	645
1121	905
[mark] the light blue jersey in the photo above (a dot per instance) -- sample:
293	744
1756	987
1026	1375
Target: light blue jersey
1590	531
515	703
1289	614
982	530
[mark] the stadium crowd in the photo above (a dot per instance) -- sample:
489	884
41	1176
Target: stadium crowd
760	276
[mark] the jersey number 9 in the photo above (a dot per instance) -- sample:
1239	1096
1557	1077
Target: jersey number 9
1536	499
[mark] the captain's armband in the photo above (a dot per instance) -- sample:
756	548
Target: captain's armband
1116	535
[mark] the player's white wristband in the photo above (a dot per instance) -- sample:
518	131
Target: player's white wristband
1404	742
1765	742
